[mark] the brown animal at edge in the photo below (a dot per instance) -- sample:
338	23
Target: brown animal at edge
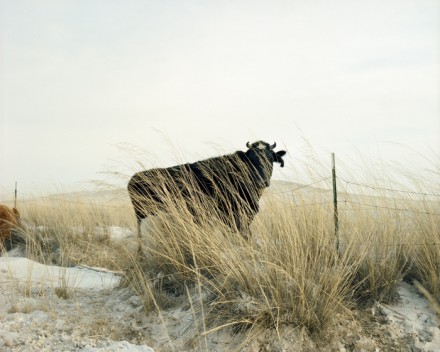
9	221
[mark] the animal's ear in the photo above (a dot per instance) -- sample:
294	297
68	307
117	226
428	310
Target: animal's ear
279	157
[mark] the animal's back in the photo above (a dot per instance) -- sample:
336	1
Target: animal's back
150	182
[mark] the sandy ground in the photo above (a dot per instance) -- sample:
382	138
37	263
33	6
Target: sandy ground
34	318
412	318
49	308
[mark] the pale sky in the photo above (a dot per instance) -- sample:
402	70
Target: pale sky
79	78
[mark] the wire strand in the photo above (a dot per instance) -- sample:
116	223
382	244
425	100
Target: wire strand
387	189
301	187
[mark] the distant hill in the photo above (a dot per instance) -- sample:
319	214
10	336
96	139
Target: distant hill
120	195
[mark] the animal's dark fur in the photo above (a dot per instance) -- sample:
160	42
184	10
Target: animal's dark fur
232	184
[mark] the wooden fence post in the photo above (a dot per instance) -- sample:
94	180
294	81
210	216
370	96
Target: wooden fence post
335	203
15	196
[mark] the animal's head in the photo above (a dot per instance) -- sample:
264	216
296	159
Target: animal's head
262	156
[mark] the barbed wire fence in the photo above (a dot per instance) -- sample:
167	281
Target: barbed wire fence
378	198
348	201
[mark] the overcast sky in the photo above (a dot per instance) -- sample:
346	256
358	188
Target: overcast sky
80	78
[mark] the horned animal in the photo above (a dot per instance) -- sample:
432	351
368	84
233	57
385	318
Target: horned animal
232	185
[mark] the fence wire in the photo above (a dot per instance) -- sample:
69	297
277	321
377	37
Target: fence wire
301	187
381	244
425	194
368	205
385	207
40	202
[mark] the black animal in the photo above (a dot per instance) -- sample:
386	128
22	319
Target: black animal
228	187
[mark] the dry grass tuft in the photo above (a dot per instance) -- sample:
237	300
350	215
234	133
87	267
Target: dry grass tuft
70	231
288	274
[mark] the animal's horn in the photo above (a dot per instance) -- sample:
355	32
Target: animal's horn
248	145
273	145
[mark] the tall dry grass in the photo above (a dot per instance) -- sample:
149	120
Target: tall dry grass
69	231
394	223
288	273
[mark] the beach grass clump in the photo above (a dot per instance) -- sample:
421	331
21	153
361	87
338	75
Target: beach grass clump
68	231
288	272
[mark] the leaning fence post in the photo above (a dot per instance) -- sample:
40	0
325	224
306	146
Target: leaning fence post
335	203
15	196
